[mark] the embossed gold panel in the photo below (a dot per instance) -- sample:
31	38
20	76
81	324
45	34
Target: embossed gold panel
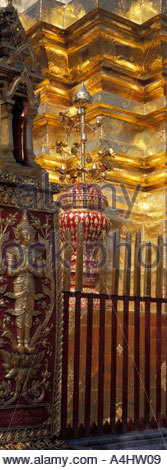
30	349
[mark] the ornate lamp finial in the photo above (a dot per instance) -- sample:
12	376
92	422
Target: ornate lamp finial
82	97
98	170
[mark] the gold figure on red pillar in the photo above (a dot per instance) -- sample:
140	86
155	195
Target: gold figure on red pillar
24	264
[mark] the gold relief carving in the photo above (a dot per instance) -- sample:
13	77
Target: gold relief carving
22	369
5	223
4	237
23	284
27	192
20	40
25	374
56	424
24	434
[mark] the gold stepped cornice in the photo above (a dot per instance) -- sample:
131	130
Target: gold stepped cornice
91	19
146	29
98	18
41	31
154	24
133	32
148	120
108	53
106	111
148	172
48	35
102	80
118	176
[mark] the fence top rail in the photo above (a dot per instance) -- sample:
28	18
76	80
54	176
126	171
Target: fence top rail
133	298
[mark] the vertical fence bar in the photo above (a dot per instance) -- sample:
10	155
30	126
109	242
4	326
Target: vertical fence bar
159	290
127	265
147	363
159	273
158	361
79	259
113	363
126	292
137	267
125	365
67	261
101	364
88	364
165	272
116	262
103	269
136	362
65	366
137	286
147	292
76	363
147	272
166	362
164	293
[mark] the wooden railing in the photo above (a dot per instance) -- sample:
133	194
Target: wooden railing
129	267
142	342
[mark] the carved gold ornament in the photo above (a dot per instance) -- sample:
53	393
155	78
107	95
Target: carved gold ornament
24	328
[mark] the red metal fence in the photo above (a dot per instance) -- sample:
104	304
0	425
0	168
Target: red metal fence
148	411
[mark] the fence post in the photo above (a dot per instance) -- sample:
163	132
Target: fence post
159	281
126	293
137	286
158	361
137	267
102	270
159	273
79	258
136	361
67	261
127	265
113	363
88	363
147	293
101	363
76	363
125	364
147	272
116	261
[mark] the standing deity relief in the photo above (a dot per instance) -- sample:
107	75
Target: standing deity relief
26	304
